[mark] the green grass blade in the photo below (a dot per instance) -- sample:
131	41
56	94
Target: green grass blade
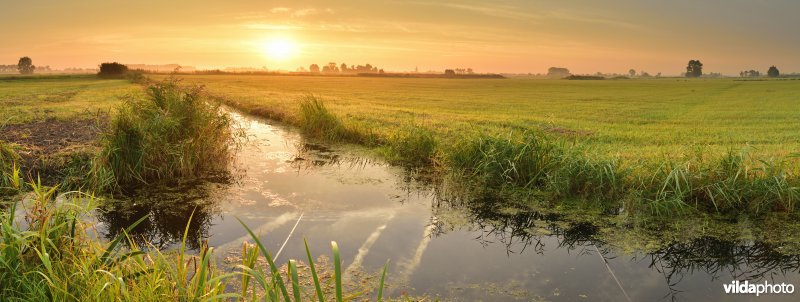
337	270
113	245
201	281
314	276
295	280
272	265
182	269
383	281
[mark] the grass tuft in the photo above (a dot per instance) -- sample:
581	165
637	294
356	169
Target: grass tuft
531	161
411	145
172	133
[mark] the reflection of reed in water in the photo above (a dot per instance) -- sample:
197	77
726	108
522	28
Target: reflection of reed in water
309	155
500	219
717	257
169	209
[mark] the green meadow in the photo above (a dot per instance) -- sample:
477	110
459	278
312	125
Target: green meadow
632	119
653	145
656	149
662	146
61	97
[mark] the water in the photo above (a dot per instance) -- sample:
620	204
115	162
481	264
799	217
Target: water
455	249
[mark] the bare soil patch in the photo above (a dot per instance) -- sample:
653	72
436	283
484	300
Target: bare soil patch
43	144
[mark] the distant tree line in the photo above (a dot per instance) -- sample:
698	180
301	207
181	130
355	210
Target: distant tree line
332	67
772	72
8	68
750	74
24	66
695	69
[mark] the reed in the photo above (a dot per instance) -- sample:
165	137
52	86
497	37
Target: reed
173	132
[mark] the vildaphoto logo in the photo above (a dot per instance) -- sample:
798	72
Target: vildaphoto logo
745	287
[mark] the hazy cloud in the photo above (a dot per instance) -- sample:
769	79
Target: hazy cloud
278	10
300	12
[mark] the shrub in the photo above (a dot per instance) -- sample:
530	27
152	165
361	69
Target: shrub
136	76
112	70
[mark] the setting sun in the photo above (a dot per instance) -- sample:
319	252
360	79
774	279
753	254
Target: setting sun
279	49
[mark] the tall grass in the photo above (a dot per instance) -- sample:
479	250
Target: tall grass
48	255
531	161
316	120
412	145
174	132
733	183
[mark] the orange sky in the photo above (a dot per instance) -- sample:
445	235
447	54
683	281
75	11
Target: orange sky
489	36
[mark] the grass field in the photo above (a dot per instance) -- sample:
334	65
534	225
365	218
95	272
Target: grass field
62	97
629	118
587	140
671	144
668	143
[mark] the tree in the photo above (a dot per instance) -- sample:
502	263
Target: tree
25	65
557	72
773	72
313	68
694	69
112	70
449	72
750	73
330	68
632	72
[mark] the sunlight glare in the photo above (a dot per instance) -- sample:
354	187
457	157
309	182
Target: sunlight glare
279	49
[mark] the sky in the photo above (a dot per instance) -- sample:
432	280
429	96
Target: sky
513	36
